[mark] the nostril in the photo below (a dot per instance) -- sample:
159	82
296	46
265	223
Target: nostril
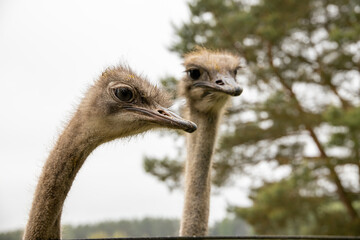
162	112
219	82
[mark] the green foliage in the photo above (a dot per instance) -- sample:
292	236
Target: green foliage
13	235
170	84
230	227
301	78
307	212
348	118
165	170
147	227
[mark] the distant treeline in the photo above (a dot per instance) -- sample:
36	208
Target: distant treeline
147	227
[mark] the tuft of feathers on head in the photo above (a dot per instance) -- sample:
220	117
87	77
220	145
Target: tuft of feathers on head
125	74
209	58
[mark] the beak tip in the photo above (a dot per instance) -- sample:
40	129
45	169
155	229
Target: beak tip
191	128
238	91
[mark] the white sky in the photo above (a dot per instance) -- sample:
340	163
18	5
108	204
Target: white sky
50	51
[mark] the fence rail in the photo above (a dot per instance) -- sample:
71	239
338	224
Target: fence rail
264	237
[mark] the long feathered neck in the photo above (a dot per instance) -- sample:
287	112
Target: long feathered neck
200	148
72	148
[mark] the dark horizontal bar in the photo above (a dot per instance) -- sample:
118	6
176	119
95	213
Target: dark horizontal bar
264	237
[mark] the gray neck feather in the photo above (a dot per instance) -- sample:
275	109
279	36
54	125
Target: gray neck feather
58	174
200	146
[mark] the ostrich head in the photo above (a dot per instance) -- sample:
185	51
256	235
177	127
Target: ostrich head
210	79
122	103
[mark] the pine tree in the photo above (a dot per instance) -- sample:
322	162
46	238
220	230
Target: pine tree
300	109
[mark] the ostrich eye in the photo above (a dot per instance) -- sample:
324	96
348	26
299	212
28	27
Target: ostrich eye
124	94
194	73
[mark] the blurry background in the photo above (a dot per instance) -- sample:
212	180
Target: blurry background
50	52
288	159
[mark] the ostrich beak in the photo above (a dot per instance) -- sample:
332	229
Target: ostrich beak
165	118
224	83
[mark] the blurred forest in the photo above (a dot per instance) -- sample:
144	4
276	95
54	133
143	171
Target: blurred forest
147	227
300	110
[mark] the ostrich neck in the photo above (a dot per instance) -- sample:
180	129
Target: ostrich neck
58	174
200	145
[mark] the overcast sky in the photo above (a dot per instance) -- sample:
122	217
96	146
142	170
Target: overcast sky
50	52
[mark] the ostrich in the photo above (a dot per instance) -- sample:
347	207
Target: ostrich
119	104
210	81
